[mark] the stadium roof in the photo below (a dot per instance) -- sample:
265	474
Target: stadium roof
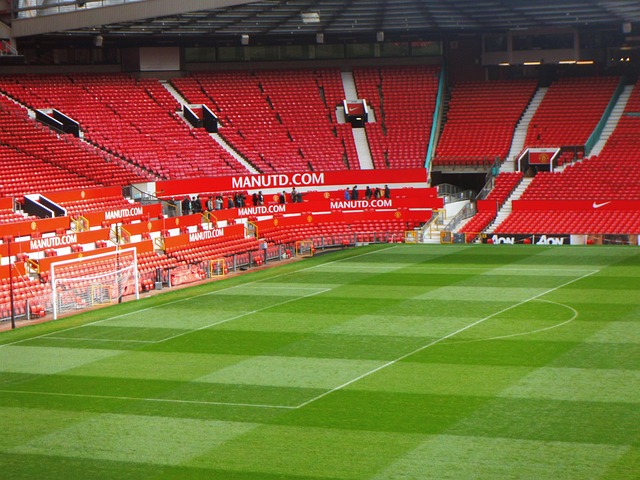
278	18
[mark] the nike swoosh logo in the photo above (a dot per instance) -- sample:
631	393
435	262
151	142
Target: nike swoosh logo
598	205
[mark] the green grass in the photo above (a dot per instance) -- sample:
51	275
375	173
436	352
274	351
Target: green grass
385	362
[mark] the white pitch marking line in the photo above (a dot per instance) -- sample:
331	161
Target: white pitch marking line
196	296
102	339
162	400
424	347
531	332
242	315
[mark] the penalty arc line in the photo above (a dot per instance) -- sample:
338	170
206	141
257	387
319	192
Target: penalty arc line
531	332
435	342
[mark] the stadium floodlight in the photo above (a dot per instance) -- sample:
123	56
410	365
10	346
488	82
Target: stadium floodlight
310	17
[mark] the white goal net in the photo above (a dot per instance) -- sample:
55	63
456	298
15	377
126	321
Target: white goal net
86	282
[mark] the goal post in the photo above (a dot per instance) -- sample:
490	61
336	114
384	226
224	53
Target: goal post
93	280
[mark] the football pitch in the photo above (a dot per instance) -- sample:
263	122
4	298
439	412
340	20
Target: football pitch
381	362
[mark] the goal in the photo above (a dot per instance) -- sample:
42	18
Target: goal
84	282
305	248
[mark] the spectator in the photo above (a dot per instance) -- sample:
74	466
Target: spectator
260	198
230	202
282	198
254	199
294	195
196	205
218	202
347	194
354	193
186	205
377	193
210	204
368	193
387	192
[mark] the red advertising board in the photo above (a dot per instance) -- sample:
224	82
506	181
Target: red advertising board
57	241
232	231
129	214
286	181
382	204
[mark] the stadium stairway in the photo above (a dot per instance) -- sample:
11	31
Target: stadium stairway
613	120
362	147
183	101
239	158
359	136
349	85
505	210
520	134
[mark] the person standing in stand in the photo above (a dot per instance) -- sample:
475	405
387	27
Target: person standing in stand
354	193
368	193
347	194
387	192
186	205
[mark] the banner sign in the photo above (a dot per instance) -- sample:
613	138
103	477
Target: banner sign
226	233
124	215
542	156
286	181
508	239
381	204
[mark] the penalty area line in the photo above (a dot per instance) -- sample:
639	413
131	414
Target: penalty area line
186	299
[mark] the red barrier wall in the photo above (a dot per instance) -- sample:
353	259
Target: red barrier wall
44	225
487	206
546	205
6	203
86	194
